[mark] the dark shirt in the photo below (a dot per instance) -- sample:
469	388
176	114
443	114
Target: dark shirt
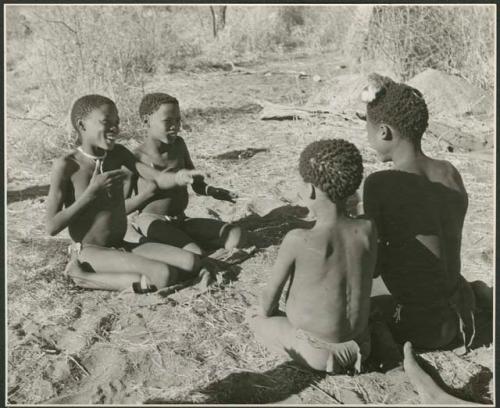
403	206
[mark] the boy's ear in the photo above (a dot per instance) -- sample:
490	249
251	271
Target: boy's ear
145	119
80	125
385	132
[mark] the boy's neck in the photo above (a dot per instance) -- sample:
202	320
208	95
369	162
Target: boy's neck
329	213
155	144
91	150
406	154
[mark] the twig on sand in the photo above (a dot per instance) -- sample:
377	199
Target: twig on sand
80	366
337	401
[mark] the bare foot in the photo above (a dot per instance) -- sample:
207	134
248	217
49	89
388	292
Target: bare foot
428	390
72	268
205	279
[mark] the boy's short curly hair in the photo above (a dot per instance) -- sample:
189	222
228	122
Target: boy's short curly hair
335	166
398	105
151	102
86	104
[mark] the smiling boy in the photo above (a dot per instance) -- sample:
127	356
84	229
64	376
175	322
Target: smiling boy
87	195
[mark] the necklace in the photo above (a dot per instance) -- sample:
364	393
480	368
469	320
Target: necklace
98	159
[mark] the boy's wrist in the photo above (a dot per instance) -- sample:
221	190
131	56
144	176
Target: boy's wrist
209	190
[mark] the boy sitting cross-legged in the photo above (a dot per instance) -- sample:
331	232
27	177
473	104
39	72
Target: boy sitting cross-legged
87	196
329	268
163	219
419	208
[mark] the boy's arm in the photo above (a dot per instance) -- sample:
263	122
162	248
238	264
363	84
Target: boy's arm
282	269
140	199
371	208
58	217
163	179
202	188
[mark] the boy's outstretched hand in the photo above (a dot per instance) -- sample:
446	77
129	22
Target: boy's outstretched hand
221	194
167	179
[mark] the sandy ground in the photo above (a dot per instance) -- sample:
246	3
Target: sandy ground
68	345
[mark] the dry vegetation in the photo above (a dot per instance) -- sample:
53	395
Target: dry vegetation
83	346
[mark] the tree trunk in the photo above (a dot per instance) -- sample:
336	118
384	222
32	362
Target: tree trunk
218	19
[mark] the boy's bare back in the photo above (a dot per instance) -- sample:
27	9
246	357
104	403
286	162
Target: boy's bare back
331	283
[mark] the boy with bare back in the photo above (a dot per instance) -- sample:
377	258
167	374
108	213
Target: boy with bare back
329	268
87	196
419	208
163	219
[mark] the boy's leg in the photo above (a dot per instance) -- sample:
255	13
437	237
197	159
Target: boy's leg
165	232
278	335
385	351
213	233
428	390
187	261
111	269
483	295
104	281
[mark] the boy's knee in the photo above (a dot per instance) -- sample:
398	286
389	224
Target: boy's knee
163	275
194	248
234	237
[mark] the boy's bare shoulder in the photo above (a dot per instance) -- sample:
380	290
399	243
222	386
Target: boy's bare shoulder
65	164
294	237
365	228
448	173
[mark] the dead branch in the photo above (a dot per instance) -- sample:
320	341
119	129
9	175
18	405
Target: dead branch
32	119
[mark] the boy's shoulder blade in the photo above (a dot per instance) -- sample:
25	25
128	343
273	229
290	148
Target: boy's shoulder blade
294	236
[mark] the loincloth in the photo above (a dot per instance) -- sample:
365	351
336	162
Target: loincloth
343	357
144	219
459	305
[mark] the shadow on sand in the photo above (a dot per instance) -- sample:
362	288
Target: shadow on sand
272	386
27	193
271	228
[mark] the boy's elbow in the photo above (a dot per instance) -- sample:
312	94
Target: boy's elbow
51	228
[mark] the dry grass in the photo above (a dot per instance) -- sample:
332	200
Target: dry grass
188	347
454	39
195	347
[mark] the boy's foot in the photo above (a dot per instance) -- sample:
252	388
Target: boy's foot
73	268
428	390
205	279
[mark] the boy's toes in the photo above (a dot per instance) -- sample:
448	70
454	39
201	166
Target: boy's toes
205	279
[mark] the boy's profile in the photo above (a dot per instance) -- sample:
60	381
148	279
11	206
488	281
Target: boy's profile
419	208
163	219
87	196
329	268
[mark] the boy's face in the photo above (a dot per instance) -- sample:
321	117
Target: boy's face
164	123
376	140
100	127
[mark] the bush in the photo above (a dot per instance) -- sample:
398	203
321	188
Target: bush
453	39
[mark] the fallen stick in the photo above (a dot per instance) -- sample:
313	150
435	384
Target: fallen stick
276	111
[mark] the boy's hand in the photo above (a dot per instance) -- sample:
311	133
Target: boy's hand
105	181
221	194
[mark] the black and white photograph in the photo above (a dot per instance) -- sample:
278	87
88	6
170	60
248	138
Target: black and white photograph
249	204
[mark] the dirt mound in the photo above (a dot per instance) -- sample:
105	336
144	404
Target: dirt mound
341	94
451	95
